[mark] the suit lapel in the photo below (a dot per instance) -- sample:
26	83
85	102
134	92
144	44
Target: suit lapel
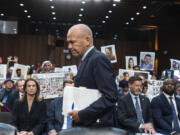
178	106
130	102
165	101
84	63
143	106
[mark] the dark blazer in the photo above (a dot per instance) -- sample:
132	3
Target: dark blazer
162	114
12	98
55	119
127	118
96	72
29	121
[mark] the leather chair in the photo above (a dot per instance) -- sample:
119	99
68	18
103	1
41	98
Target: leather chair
93	131
5	117
6	129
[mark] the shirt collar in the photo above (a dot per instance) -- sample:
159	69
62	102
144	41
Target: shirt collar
133	96
167	96
86	53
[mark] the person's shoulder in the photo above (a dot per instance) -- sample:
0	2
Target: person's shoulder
143	97
157	98
97	55
2	90
124	97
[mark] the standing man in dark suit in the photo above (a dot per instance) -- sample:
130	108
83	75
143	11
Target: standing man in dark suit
134	110
166	110
94	72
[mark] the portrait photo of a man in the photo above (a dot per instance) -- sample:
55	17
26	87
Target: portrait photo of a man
110	52
19	72
175	64
147	60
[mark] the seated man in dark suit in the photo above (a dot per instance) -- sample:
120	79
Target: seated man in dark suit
55	119
134	111
8	95
94	72
166	110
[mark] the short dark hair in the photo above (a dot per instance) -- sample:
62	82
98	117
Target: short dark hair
19	81
148	55
133	79
125	73
70	81
18	69
136	66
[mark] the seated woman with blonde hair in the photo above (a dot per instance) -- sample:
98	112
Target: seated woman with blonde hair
29	112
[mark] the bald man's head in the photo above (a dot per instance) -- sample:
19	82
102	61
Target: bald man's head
83	29
80	39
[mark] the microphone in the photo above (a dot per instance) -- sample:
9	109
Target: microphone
4	107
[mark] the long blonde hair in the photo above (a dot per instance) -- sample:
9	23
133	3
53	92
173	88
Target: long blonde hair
37	95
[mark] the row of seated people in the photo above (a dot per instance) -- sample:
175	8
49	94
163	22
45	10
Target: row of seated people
135	113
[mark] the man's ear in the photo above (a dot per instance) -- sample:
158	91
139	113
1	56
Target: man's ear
88	39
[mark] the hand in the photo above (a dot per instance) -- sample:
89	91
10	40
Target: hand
52	132
75	116
30	133
148	128
9	58
16	59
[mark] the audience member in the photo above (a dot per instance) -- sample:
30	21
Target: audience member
55	119
134	110
136	68
20	86
124	88
166	110
8	95
95	72
46	67
29	112
9	72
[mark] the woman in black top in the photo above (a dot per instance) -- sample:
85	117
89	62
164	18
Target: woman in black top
29	113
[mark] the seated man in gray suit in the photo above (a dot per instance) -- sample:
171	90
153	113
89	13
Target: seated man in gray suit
134	110
55	119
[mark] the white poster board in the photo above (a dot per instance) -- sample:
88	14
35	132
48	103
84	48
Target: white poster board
70	71
175	64
147	60
50	84
131	61
3	71
58	70
110	52
80	97
19	72
154	87
145	75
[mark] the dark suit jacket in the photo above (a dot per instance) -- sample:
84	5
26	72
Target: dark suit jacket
55	119
96	72
12	98
162	114
127	118
29	121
